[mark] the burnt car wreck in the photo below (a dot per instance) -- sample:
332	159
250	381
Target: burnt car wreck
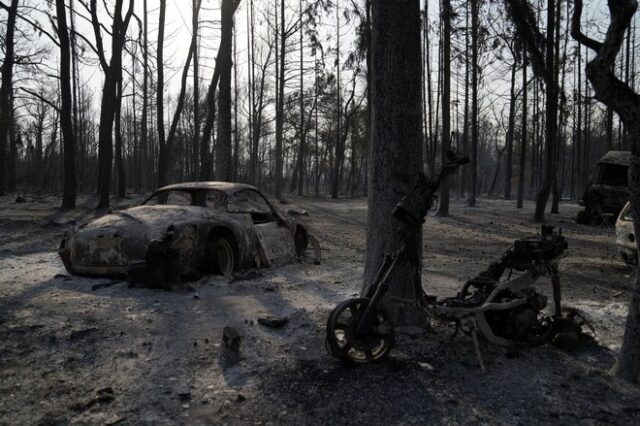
183	231
608	189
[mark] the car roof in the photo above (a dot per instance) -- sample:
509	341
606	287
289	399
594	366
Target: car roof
616	157
227	187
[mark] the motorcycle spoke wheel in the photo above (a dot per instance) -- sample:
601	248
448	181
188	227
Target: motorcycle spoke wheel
344	343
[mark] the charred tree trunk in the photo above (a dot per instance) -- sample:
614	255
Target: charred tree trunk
66	119
223	145
617	95
6	90
122	183
280	104
523	136
163	154
196	82
109	95
303	129
144	144
396	152
551	118
510	130
183	88
228	8
474	104
446	104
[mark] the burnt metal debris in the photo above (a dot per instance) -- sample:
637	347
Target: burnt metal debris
185	230
230	348
506	313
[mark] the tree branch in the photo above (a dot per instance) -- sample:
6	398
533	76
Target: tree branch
33	24
96	31
42	98
577	34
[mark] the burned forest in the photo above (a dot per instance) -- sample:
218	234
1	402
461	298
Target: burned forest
319	212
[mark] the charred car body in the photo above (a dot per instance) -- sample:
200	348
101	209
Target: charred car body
185	230
608	189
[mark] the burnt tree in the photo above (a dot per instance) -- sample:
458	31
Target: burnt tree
112	72
66	119
618	96
6	90
224	62
163	154
396	153
228	8
446	101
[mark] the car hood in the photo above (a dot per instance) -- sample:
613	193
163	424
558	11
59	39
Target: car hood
148	221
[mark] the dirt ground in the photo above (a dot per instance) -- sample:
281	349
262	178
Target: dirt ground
119	355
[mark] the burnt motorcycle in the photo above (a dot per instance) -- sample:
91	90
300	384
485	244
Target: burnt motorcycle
507	313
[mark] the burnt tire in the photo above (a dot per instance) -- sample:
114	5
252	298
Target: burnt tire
301	242
222	256
344	343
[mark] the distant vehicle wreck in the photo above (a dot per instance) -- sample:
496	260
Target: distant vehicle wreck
608	189
626	236
185	230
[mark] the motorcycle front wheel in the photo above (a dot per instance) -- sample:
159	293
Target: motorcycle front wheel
345	343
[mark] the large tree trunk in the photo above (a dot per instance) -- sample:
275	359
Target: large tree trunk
223	145
446	107
551	118
108	103
183	87
510	130
339	152
228	8
396	152
145	102
303	130
280	102
122	182
163	154
523	136
195	4
474	104
617	95
6	90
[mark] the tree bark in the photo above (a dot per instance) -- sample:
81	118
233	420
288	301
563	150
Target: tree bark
396	152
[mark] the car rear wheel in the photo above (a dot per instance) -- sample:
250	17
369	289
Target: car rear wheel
225	257
221	257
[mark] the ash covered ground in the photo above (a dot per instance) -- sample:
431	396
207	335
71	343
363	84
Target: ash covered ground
119	355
